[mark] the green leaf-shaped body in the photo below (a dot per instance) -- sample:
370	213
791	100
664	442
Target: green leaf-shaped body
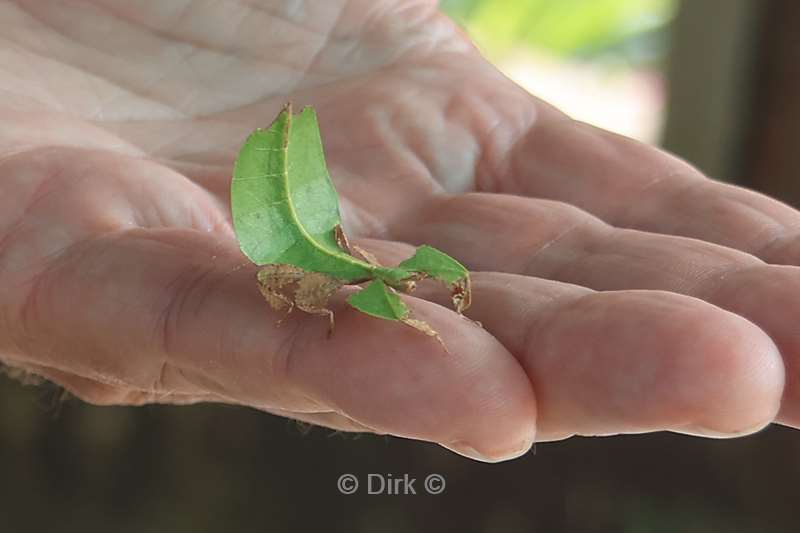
291	221
378	300
435	264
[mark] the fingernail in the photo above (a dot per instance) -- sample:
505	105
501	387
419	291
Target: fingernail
462	448
702	431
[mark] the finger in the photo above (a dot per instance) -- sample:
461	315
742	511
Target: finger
175	311
557	241
629	184
632	361
628	361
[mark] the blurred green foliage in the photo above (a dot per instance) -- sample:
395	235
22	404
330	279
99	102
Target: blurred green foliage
571	28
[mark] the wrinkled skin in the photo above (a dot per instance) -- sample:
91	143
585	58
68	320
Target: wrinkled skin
122	281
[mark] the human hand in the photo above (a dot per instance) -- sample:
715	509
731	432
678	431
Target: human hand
122	280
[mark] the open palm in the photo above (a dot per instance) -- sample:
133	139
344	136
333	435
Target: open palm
122	280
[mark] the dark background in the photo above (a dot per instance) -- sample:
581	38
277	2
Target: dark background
70	467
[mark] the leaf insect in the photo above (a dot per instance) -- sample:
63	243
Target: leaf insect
286	218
